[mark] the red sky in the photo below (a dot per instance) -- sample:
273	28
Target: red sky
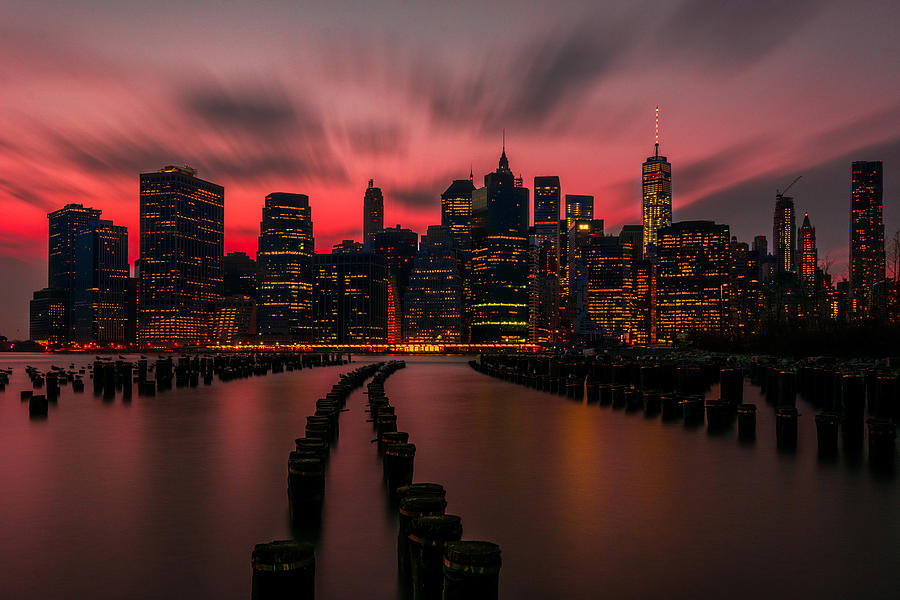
317	100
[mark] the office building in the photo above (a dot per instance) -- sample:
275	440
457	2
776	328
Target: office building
373	214
500	258
578	207
350	298
285	270
784	234
692	269
433	299
867	262
182	235
99	301
456	213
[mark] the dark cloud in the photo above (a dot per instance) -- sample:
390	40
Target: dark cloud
420	194
522	87
251	106
730	35
377	138
697	174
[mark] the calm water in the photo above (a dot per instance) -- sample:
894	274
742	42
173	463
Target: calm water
166	496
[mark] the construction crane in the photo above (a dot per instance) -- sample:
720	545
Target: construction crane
782	193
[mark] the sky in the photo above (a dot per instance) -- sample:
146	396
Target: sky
319	97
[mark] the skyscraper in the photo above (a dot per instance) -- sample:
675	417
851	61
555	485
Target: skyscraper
239	275
350	299
286	274
546	210
656	190
101	279
433	300
456	213
373	214
65	224
867	263
47	316
578	206
544	281
783	234
603	301
807	253
692	268
398	247
500	258
181	250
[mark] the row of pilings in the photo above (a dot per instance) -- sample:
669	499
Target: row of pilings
113	378
287	568
675	389
433	561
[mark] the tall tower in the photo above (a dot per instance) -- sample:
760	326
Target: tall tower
656	189
806	251
866	234
578	207
456	213
285	269
65	225
101	274
373	214
783	234
500	258
546	210
182	246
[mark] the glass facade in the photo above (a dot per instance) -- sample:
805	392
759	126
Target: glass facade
64	226
101	276
578	206
867	263
783	234
433	300
285	270
656	193
500	259
692	269
351	298
181	251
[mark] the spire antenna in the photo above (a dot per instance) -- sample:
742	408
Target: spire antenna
503	139
656	145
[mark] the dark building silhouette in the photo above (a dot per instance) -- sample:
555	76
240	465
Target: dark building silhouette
239	275
456	214
373	214
692	269
347	247
867	262
64	225
784	234
350	298
285	270
500	265
578	206
233	320
761	247
47	316
101	280
398	246
181	252
433	299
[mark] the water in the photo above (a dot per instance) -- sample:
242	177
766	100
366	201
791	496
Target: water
165	497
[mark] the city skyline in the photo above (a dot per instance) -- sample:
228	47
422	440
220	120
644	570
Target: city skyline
79	123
